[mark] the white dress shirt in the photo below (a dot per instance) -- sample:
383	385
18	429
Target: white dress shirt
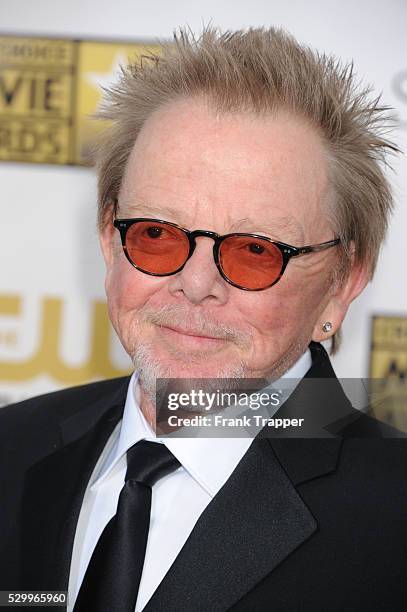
178	499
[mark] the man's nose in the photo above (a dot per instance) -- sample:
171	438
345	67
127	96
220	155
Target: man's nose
199	280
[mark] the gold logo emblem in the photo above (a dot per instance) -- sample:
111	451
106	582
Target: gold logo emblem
49	90
388	369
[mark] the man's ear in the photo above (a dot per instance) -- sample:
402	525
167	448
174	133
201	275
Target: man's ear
340	300
106	237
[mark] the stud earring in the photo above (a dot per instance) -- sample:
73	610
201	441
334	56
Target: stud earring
327	326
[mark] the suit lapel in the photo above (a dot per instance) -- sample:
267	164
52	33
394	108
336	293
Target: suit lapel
255	521
54	490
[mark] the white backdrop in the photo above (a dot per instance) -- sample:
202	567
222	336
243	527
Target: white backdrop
64	269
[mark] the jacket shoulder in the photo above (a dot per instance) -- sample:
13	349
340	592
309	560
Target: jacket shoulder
50	408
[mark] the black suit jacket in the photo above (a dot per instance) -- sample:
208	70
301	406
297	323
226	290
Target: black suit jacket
301	525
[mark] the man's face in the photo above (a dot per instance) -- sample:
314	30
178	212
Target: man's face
224	173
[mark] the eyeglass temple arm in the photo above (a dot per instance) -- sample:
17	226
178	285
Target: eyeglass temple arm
315	248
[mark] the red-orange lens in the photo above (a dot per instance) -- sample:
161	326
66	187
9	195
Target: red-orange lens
156	247
250	262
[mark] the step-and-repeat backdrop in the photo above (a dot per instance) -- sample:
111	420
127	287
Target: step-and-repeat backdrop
54	329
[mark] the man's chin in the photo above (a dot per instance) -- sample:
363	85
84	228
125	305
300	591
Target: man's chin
153	364
194	368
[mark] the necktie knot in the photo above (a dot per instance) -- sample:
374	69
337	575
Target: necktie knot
147	462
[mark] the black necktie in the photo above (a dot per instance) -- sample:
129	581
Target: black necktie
112	579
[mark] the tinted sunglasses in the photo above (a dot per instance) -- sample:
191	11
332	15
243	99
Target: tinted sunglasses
247	261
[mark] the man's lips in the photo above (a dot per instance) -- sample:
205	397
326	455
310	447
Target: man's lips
190	337
191	332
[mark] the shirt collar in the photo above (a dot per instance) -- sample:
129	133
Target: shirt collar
300	367
210	461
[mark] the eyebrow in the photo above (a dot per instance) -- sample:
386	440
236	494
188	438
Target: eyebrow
157	211
282	227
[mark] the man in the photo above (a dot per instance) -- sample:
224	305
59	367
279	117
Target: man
223	152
